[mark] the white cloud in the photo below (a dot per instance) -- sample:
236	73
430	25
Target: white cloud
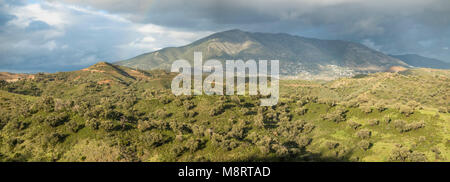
78	36
35	12
369	43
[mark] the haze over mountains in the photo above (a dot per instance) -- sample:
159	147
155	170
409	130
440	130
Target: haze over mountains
420	61
297	55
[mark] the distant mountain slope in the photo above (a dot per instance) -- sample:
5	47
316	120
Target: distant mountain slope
11	77
424	62
297	55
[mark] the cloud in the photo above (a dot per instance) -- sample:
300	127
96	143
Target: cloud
397	25
61	35
52	36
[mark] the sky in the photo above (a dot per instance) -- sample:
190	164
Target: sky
64	35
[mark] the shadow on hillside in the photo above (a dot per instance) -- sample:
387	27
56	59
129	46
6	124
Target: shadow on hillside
304	157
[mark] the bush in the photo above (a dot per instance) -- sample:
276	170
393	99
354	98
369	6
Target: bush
235	99
374	122
190	114
163	114
155	139
237	131
165	99
402	154
406	110
188	105
334	117
144	125
194	144
366	109
75	127
364	134
402	126
259	121
246	111
303	141
93	124
301	111
108	125
331	145
364	144
55	138
55	120
387	119
354	125
443	110
217	110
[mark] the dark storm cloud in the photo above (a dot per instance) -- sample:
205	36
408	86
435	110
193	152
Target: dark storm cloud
61	35
392	26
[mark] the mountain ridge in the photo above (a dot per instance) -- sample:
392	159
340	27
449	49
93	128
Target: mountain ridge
422	61
297	55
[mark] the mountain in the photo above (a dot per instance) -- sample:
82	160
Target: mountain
11	77
297	55
420	61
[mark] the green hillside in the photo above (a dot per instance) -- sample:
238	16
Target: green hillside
113	113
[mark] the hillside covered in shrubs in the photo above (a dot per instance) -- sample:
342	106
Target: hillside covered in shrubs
113	113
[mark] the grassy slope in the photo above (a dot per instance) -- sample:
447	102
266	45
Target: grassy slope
122	101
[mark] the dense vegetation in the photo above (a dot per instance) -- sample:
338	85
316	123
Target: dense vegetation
113	113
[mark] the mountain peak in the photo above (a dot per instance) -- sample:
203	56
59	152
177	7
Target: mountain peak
233	35
297	55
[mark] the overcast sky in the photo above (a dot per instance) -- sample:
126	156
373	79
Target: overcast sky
62	35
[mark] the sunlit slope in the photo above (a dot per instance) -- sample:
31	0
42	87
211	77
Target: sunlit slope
114	113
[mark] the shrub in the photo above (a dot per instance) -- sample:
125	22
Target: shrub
108	125
144	125
55	120
374	122
331	145
259	121
93	124
364	134
303	141
190	114
402	154
387	119
188	105
334	117
165	99
366	109
406	110
443	110
237	131
354	125
364	144
154	139
301	111
301	102
75	127
219	109
402	126
246	111
236	99
416	125
163	114
178	150
194	144
55	138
